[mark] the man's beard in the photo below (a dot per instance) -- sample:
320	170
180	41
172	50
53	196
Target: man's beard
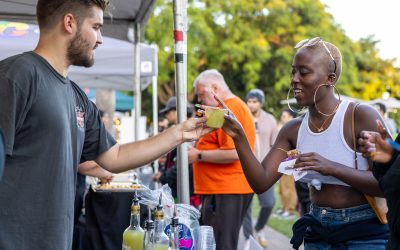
76	52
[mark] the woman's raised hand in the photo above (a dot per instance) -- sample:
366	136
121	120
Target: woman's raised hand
374	145
231	125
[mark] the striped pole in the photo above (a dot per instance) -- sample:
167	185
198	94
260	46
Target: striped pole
180	49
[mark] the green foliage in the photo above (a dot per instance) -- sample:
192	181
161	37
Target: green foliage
251	44
277	223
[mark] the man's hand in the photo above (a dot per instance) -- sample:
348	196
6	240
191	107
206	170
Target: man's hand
374	144
157	176
107	178
194	128
193	154
120	158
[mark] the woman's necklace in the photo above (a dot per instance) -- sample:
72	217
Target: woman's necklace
320	129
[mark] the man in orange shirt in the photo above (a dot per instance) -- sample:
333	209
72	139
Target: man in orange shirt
218	175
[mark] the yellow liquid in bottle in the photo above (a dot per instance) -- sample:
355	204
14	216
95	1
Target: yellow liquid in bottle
132	240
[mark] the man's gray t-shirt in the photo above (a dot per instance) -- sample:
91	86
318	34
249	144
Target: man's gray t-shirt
2	154
266	133
50	126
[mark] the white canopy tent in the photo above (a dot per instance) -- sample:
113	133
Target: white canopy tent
113	68
390	102
123	14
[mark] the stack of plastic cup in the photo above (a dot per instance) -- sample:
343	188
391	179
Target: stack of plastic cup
206	238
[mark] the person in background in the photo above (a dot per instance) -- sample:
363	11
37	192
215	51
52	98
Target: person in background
303	196
163	123
266	132
389	122
386	170
88	168
218	176
340	217
286	115
50	126
287	189
168	173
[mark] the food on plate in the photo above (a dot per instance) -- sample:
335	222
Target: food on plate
109	186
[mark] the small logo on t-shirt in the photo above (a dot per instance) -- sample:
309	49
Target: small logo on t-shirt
80	117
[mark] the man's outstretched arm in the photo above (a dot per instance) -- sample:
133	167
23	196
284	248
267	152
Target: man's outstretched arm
124	157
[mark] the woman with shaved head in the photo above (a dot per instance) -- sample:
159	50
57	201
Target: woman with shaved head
340	216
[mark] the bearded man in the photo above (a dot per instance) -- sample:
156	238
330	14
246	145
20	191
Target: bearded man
50	126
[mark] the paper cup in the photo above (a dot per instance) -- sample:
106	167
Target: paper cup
216	117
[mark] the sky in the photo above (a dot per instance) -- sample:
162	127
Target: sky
361	18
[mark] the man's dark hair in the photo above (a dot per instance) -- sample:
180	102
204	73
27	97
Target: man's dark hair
49	12
190	110
381	106
290	112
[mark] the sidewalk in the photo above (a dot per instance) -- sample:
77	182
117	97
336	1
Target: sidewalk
276	240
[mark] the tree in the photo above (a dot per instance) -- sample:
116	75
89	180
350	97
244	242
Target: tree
251	44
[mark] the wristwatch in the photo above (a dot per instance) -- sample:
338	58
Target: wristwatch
199	156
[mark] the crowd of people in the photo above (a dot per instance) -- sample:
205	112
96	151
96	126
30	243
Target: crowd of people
50	131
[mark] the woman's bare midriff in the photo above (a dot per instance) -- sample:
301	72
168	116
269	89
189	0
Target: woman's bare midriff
336	196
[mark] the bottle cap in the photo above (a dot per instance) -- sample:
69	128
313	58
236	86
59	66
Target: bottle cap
149	225
159	206
135	199
174	220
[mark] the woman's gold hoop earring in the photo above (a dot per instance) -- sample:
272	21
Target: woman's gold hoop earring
288	103
315	103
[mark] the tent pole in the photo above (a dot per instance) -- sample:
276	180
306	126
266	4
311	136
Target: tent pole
180	28
155	103
138	94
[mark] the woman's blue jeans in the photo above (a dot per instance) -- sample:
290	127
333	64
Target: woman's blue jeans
330	217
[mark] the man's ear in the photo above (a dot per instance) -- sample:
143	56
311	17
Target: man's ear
69	23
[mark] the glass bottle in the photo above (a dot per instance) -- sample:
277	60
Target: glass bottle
133	236
148	243
174	233
160	238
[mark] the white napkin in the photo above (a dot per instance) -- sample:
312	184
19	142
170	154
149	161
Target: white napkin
286	167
